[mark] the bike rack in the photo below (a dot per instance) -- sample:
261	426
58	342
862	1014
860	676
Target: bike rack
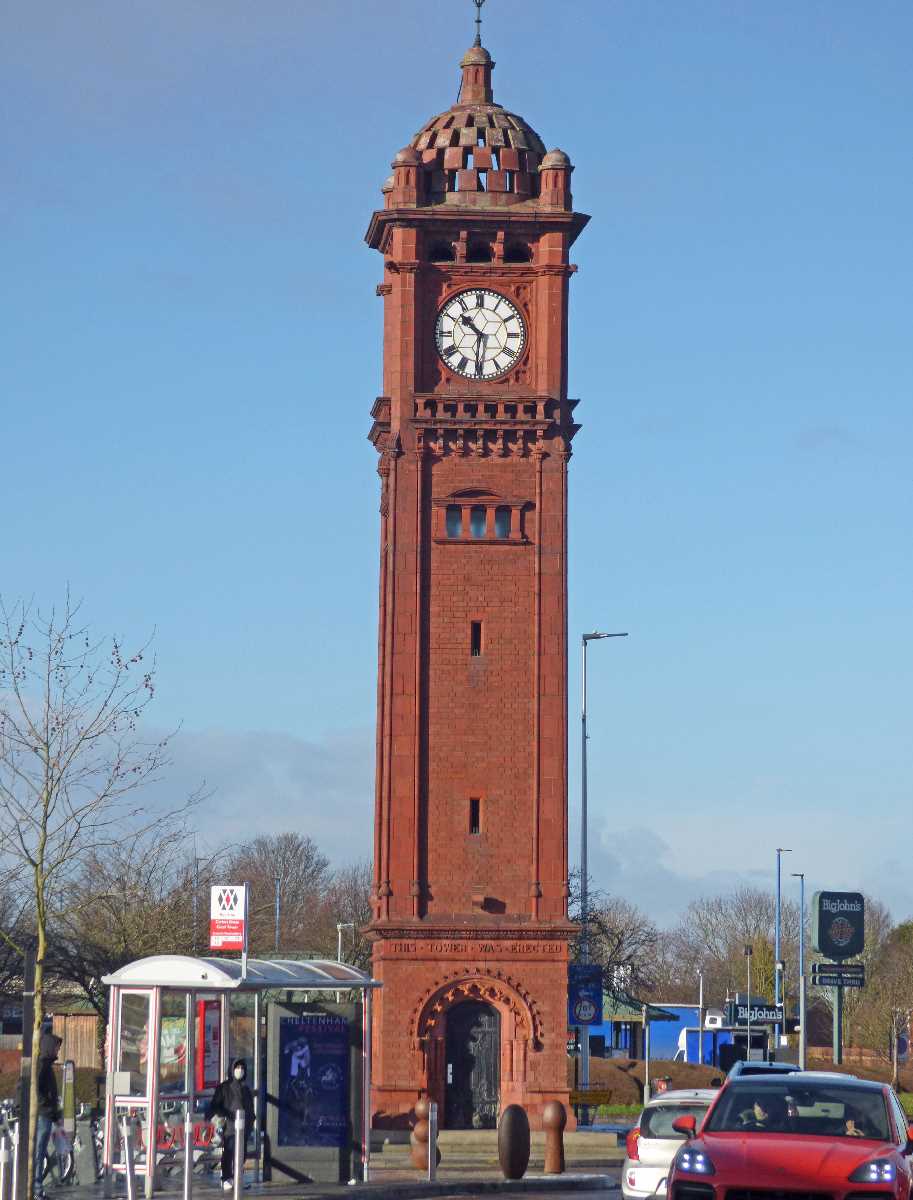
128	1159
4	1166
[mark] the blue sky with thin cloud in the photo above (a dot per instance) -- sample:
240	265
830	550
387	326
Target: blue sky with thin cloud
191	346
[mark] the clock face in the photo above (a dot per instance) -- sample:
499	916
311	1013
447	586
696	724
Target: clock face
479	334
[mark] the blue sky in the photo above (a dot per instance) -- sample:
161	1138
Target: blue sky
191	345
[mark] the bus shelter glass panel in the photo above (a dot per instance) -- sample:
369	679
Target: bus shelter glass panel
242	1031
208	1043
173	1045
134	1040
136	1116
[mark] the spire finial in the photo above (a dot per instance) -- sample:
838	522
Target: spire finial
478	4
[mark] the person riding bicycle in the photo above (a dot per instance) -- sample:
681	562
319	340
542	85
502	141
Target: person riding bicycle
231	1095
49	1110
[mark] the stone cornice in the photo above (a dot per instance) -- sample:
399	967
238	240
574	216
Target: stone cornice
531	219
516	932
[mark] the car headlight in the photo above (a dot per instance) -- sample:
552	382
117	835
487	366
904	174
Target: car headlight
878	1170
694	1161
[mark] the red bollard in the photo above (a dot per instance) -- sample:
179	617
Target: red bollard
554	1119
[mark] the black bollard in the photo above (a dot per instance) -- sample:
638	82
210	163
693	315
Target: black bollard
513	1142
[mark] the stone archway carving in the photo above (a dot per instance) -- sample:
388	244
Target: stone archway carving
521	1028
492	987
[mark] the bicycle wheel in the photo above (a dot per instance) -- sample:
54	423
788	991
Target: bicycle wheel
59	1167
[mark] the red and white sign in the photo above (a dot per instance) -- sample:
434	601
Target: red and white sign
228	917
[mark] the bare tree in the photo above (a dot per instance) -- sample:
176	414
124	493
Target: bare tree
71	761
133	900
673	978
622	940
867	1012
348	900
293	863
877	1021
714	931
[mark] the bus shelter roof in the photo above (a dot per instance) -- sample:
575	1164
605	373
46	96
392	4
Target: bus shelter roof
224	974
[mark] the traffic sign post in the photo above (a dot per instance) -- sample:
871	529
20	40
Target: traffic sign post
838	975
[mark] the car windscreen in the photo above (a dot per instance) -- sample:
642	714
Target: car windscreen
766	1105
656	1121
767	1069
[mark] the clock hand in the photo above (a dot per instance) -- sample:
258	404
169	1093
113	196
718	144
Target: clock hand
480	351
467	320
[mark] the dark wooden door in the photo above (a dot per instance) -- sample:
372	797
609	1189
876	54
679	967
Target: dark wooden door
473	1066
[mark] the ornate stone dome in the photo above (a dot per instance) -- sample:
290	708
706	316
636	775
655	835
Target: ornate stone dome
477	152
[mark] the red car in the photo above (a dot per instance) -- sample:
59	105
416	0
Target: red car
805	1136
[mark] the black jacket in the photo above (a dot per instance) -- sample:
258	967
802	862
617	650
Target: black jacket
48	1096
229	1096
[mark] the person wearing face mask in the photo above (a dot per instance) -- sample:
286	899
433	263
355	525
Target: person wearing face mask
232	1094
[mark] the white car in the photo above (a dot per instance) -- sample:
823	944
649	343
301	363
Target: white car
652	1143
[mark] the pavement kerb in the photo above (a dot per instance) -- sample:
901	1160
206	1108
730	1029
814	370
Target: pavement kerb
467	1187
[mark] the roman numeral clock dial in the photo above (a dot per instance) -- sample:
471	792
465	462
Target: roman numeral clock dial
479	334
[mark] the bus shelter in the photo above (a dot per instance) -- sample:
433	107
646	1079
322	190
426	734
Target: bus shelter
175	1024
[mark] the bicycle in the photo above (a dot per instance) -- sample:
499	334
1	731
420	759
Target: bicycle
55	1163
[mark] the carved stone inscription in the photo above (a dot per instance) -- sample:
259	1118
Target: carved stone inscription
497	949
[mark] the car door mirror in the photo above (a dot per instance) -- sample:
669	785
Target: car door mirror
908	1149
686	1125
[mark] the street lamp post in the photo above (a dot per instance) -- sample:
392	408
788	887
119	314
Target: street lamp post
584	889
748	953
340	926
778	974
803	1035
700	1019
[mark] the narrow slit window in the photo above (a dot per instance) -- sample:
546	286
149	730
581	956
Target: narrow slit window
454	521
502	522
475	815
477	522
475	639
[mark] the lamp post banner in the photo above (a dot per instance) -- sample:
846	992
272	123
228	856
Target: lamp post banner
584	994
228	917
838	924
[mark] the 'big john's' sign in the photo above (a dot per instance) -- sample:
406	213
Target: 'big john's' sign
760	1014
838	924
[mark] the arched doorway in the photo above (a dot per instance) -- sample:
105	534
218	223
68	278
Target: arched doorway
473	1066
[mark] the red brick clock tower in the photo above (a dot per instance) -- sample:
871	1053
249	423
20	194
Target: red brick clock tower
474	433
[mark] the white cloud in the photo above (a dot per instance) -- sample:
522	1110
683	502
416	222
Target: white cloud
270	782
264	782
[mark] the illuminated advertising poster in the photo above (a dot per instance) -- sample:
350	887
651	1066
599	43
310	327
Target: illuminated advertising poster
313	1080
173	1055
209	1044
